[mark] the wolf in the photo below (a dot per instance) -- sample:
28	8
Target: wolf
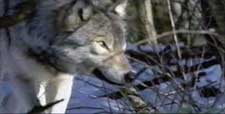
60	40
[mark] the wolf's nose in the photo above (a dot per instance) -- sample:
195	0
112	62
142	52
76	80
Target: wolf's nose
129	77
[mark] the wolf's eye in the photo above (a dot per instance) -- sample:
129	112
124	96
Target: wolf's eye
100	47
103	44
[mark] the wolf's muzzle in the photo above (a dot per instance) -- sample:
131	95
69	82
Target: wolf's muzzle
128	77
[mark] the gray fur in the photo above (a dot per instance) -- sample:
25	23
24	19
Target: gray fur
64	38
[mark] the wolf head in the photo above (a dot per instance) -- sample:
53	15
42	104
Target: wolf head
85	36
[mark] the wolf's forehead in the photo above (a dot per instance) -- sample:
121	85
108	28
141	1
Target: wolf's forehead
111	29
98	24
104	26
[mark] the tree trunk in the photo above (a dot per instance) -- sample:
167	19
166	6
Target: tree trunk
218	12
145	17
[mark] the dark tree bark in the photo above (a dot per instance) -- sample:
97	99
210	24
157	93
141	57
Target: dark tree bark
218	11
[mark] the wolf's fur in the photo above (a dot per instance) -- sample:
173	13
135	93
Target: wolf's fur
63	38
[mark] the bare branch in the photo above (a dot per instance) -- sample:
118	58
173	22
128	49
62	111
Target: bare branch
174	28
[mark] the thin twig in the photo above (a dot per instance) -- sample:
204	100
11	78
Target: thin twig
173	28
40	109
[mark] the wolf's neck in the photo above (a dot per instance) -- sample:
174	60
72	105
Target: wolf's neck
50	58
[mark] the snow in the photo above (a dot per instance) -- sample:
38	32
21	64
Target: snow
85	95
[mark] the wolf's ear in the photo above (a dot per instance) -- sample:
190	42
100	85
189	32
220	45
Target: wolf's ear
120	7
71	16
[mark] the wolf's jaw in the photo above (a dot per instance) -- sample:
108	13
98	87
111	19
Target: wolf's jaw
101	76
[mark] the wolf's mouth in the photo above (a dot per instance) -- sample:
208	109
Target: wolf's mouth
101	76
